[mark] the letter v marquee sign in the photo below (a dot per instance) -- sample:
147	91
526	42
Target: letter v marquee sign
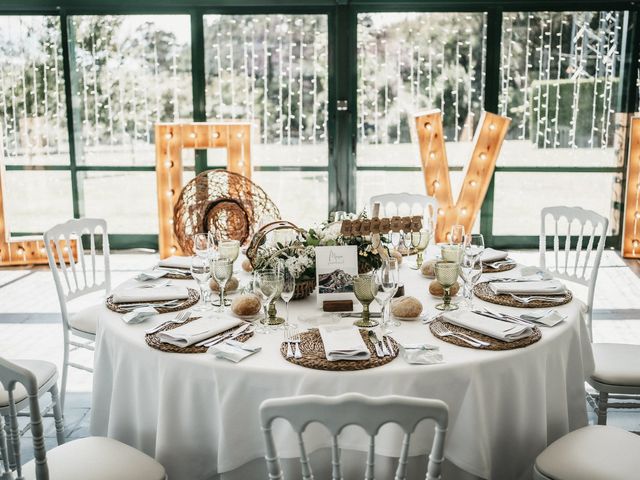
488	140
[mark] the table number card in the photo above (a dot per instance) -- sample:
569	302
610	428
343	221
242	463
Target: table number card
335	268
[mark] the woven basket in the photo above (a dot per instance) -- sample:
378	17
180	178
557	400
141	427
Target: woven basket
221	201
304	288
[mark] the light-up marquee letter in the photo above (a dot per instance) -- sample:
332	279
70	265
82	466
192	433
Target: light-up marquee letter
488	140
171	139
631	229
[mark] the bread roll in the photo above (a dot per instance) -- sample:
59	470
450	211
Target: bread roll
428	268
436	289
231	286
406	307
246	265
246	304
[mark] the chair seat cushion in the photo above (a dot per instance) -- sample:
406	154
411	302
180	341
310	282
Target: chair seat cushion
86	320
617	364
98	458
41	369
596	452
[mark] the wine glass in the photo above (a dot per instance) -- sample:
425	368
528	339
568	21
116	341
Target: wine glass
420	241
270	284
447	274
363	287
288	289
473	244
201	272
222	272
457	235
386	287
229	249
470	271
201	245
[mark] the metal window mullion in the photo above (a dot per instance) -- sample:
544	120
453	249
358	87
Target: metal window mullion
198	81
491	101
73	119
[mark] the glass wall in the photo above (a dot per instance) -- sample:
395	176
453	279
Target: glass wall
272	70
81	91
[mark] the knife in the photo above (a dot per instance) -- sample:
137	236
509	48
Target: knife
220	336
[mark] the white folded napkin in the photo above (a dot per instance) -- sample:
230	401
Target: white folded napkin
343	343
176	262
139	315
535	272
197	330
137	294
550	318
490	255
150	275
537	287
421	354
233	350
505	331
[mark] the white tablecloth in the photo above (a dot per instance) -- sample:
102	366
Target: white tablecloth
198	415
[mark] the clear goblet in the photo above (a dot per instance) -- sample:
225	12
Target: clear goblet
222	269
386	287
447	274
201	272
470	271
288	289
457	235
201	245
473	244
363	287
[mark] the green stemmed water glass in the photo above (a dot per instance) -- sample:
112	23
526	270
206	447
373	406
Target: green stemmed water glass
364	287
447	274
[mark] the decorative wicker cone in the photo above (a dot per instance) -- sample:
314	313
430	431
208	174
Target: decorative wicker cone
221	201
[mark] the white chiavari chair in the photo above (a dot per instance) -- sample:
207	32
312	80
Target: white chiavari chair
46	376
91	458
595	453
74	279
578	239
576	258
336	413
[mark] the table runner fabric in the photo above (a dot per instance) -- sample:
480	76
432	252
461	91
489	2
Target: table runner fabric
198	415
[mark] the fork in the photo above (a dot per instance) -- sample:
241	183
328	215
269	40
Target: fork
499	264
443	331
295	339
532	298
180	318
287	338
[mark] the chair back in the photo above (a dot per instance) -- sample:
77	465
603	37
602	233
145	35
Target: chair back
10	375
405	204
578	241
371	414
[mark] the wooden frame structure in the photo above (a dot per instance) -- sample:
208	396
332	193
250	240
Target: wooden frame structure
488	139
631	224
28	250
171	139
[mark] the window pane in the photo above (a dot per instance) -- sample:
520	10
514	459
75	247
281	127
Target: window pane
131	72
300	196
514	216
33	123
272	70
409	62
37	200
134	209
560	84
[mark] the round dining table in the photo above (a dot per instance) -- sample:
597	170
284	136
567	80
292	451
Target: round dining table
198	415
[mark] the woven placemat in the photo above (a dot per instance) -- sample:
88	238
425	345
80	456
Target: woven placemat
154	342
313	354
503	268
191	300
179	276
495	344
483	292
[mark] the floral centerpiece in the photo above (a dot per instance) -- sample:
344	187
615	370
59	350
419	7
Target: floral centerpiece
296	252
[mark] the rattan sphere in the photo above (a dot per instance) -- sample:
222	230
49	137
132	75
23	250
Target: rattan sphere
220	201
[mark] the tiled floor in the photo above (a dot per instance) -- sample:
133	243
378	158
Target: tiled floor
30	325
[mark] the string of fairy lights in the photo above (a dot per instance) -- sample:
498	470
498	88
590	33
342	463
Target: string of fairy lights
553	63
422	63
